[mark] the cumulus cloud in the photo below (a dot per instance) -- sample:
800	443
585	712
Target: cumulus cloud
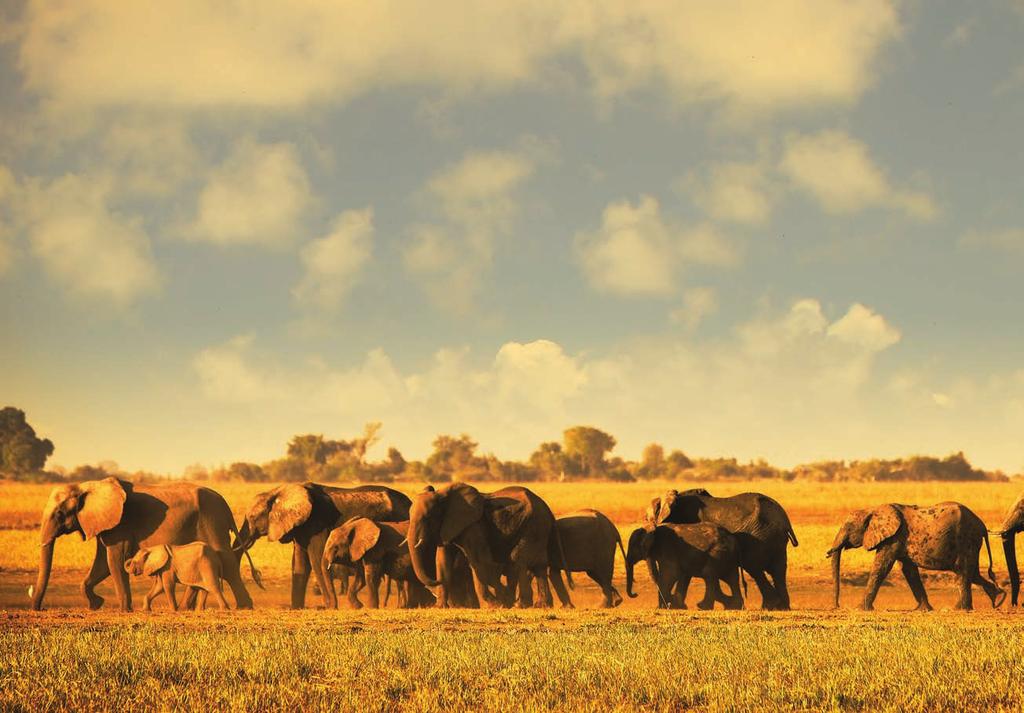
734	191
257	196
787	384
85	245
838	171
698	304
1009	240
637	252
333	263
266	55
475	203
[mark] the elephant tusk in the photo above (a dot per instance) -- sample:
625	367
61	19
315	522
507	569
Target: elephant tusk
31	590
404	542
418	543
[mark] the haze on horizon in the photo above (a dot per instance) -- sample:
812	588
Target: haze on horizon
785	230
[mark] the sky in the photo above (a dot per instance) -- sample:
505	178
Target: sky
789	230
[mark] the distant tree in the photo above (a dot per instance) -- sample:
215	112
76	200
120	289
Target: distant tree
455	457
588	445
677	462
88	472
652	462
395	461
21	451
549	461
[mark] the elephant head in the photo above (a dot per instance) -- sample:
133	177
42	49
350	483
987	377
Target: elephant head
349	543
437	517
148	561
275	514
675	506
863	528
88	508
1012	524
638	548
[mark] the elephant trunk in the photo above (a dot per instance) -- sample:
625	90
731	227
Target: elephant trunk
244	539
837	555
1010	551
629	579
43	579
416	557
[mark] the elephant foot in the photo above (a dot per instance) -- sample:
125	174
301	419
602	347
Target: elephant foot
998	599
95	600
706	606
867	607
924	606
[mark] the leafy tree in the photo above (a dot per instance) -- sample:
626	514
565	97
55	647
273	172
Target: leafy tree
588	445
21	451
455	457
551	462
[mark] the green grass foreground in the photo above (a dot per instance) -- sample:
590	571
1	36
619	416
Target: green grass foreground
511	661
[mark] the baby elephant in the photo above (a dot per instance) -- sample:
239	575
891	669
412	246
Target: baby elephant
379	548
677	553
196	565
588	540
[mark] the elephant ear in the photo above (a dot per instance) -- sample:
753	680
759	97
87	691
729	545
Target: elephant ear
291	507
365	534
464	505
664	508
884	523
156	560
102	506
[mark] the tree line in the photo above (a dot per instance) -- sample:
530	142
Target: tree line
583	453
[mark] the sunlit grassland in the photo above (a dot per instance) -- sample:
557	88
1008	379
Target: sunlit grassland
631	658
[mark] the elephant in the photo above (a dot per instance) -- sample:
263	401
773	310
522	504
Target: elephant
677	553
760	524
589	539
947	536
196	565
509	532
123	517
304	514
379	549
1012	524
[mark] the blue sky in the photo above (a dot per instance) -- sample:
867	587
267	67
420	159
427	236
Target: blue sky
792	232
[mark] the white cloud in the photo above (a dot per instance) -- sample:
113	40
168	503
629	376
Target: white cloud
85	245
1010	240
838	171
863	327
257	196
226	374
734	191
636	252
333	263
267	55
475	200
698	304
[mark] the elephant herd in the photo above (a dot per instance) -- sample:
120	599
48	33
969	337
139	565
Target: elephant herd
456	546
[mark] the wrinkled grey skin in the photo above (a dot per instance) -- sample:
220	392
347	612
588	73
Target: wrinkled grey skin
1012	524
760	524
304	514
677	553
195	565
509	532
947	536
588	539
123	517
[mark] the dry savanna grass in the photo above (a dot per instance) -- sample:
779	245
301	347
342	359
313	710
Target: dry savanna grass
634	657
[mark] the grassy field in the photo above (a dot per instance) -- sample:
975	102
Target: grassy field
631	658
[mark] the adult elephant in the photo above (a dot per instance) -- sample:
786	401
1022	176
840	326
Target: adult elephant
304	514
947	536
760	524
1012	524
123	517
509	532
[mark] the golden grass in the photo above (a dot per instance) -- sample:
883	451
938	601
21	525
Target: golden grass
629	659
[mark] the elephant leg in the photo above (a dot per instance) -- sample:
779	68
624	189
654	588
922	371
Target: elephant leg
218	595
884	560
555	575
966	601
768	596
191	598
100	570
995	593
711	591
168	580
610	596
152	594
373	573
300	575
524	596
777	570
116	556
315	551
356	586
913	576
540	576
200	595
231	567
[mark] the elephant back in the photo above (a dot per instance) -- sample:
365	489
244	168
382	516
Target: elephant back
378	503
753	514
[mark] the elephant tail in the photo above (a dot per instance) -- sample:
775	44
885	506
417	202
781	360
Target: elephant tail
988	548
387	591
618	538
792	536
